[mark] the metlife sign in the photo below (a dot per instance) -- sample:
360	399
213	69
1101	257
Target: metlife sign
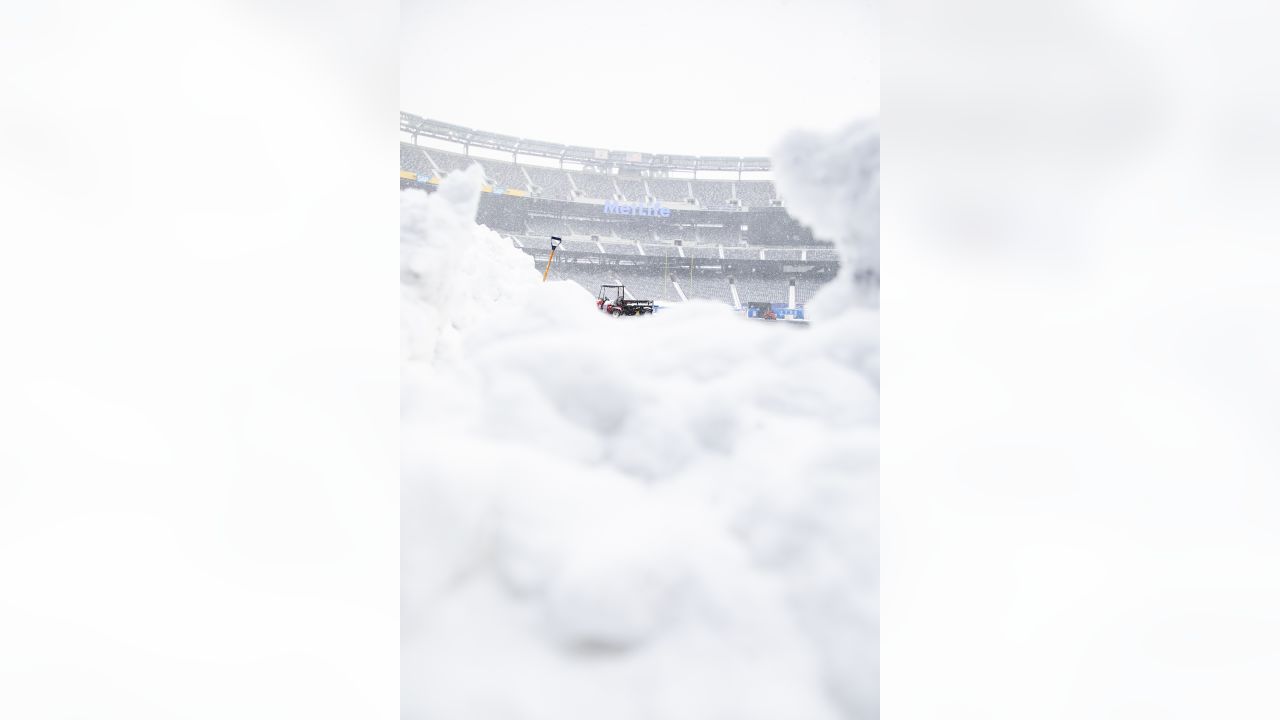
650	210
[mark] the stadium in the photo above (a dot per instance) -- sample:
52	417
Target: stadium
669	227
646	518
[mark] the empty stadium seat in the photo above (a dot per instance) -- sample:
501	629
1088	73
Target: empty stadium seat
506	175
762	287
593	185
713	193
754	193
549	182
413	160
632	189
670	190
447	161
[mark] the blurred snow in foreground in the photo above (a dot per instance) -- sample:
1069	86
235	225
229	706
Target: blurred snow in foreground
666	517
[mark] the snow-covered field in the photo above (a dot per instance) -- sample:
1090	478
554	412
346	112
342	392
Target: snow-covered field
666	517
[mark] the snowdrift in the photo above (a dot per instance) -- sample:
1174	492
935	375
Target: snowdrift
663	517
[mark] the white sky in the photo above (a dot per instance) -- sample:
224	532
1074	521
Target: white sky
700	77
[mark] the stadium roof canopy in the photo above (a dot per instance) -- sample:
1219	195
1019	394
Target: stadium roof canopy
419	126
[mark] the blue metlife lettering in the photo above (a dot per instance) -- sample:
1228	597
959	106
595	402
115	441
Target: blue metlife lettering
651	209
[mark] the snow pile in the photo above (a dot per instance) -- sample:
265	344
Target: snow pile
668	517
832	184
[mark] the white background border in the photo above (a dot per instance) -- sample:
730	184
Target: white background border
198	403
